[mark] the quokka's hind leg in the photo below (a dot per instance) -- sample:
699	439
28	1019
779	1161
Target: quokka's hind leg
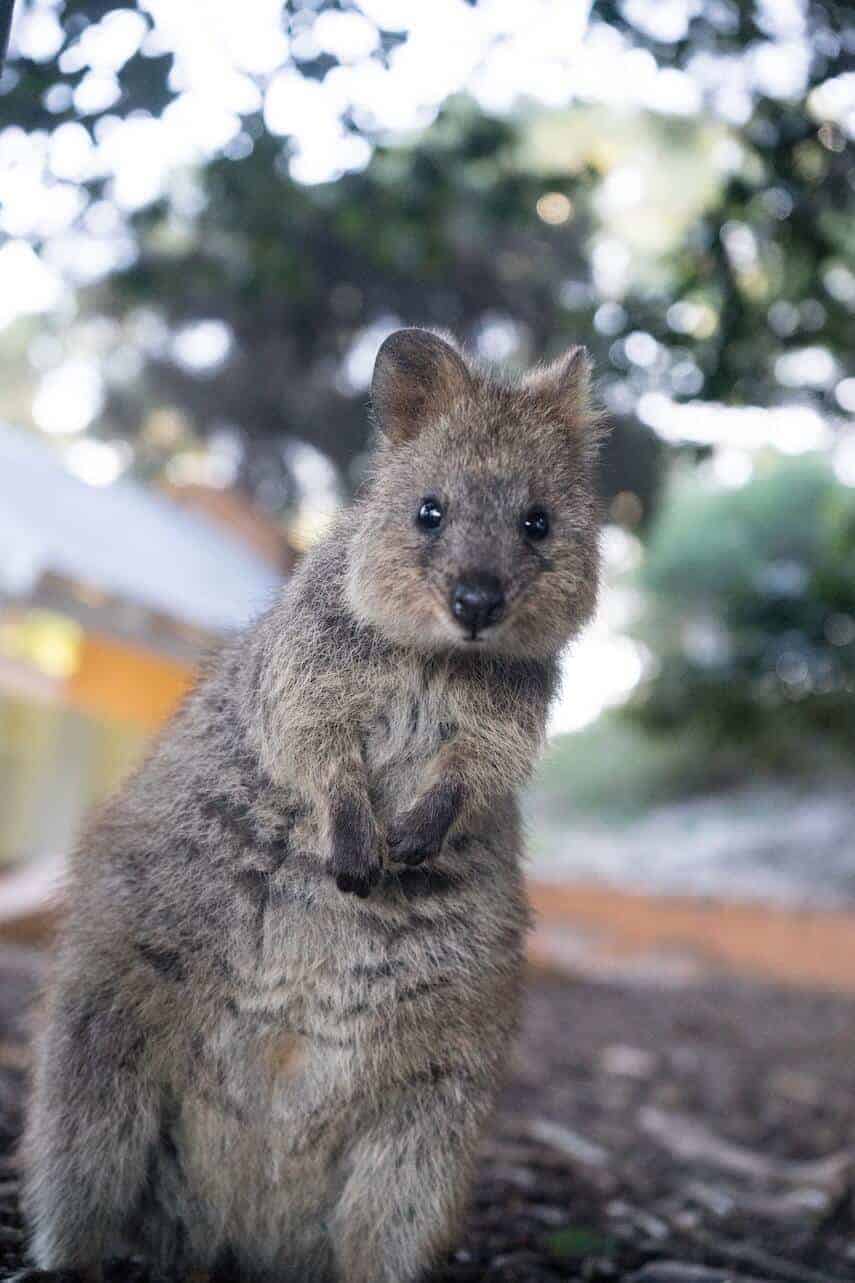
409	1176
94	1123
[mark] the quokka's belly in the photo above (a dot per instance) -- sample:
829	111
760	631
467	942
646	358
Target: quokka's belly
294	1073
258	1161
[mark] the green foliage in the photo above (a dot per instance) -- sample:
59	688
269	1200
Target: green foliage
443	230
792	198
750	614
5	26
615	768
440	232
577	1242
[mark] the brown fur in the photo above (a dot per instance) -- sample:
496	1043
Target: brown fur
246	1068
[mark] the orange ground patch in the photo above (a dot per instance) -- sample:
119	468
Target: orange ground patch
597	928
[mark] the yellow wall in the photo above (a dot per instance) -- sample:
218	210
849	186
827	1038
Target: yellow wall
125	683
65	749
55	762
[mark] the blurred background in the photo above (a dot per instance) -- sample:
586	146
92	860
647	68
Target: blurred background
211	214
210	217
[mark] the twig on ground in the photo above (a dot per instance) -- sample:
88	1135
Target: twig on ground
692	1142
568	1142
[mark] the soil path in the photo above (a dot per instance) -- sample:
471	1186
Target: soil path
700	1133
600	929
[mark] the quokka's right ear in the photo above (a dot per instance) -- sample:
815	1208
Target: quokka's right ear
564	388
565	384
417	376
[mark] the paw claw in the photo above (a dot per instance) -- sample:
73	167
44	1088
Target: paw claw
358	882
412	858
351	884
354	860
409	848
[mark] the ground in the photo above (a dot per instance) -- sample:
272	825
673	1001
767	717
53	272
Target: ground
649	1134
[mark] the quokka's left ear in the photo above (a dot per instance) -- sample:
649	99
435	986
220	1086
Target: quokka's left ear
564	388
417	375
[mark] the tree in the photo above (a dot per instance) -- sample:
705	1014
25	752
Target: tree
5	27
446	229
750	614
438	233
774	256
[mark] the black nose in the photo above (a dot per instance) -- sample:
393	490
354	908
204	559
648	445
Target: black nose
477	601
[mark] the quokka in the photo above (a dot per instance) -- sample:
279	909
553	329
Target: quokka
290	966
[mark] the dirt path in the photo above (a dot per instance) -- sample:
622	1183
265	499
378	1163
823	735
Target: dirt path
603	930
683	1134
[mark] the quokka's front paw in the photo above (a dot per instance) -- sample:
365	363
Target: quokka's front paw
412	843
355	871
419	833
355	854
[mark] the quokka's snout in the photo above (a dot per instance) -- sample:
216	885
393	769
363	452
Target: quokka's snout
478	602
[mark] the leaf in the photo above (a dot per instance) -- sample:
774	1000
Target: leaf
577	1242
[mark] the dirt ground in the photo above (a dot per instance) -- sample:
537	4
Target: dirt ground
649	1134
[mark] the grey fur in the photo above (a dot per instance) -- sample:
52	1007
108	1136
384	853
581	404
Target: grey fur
244	1066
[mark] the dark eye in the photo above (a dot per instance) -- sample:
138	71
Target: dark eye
430	514
535	524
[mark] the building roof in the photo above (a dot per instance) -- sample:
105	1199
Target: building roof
125	540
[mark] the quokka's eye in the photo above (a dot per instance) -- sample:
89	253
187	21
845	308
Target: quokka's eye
535	524
430	514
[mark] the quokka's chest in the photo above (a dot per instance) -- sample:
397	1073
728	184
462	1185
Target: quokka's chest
413	716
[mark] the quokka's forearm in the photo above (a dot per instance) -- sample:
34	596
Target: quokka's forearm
355	841
468	776
419	833
324	762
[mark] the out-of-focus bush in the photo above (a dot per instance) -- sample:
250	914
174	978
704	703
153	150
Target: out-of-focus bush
749	612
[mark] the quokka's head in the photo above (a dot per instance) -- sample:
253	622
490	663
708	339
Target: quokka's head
479	526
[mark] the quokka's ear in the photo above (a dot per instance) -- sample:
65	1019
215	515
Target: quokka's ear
564	388
417	375
565	383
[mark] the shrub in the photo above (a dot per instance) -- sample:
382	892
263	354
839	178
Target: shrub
749	612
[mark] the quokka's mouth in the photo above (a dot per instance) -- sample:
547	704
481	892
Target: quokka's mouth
478	636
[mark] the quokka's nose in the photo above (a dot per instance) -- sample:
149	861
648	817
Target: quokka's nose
477	601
